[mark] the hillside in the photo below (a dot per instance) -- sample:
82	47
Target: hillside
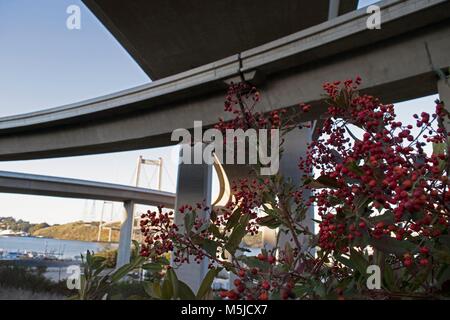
20	225
79	230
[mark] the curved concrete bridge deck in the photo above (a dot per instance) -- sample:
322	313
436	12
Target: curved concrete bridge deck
32	184
23	183
397	62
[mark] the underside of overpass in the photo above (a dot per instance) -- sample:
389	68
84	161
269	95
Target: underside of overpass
397	63
166	37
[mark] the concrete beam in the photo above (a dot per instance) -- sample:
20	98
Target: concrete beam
23	183
391	61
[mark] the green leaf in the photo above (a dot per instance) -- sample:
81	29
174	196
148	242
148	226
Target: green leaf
253	262
353	167
234	219
289	254
440	148
443	275
171	275
419	278
334	201
445	240
389	278
238	233
162	260
346	262
184	292
229	266
441	255
215	231
394	246
204	227
324	182
153	289
135	252
359	261
387	217
206	284
197	240
153	267
122	271
189	219
269	221
166	289
88	258
97	260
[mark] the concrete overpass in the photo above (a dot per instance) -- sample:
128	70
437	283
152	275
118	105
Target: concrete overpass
169	37
396	63
32	184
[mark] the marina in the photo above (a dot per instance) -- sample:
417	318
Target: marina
45	250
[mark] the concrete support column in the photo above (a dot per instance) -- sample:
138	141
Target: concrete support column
295	145
333	9
126	228
444	95
193	186
269	237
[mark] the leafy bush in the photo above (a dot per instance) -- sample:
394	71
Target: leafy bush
110	257
381	200
15	276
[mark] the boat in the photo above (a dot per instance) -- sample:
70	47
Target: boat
11	233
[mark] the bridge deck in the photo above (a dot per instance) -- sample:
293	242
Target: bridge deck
23	183
396	63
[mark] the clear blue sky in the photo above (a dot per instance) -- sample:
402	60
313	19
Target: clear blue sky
43	64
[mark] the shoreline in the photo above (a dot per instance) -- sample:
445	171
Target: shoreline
41	237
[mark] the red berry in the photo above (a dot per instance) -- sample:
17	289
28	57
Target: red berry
284	294
407	184
305	107
241	288
423	262
424	250
407	262
271	259
263	296
232	295
261	257
380	225
265	285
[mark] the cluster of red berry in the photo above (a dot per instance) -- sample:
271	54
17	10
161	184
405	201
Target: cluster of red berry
385	173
